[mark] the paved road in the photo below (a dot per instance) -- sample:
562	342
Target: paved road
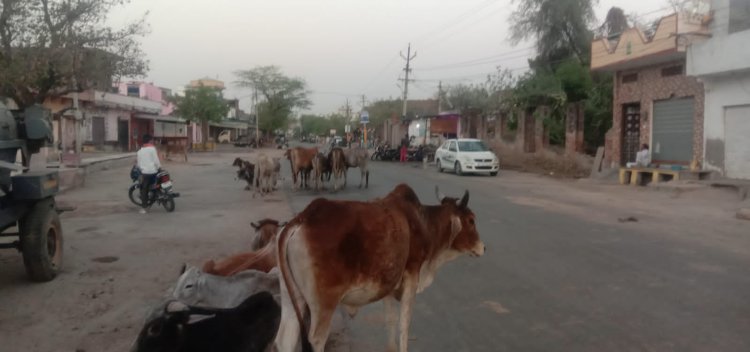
556	282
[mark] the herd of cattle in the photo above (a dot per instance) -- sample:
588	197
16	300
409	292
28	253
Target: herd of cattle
305	162
282	293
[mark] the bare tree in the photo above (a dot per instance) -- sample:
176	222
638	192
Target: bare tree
49	48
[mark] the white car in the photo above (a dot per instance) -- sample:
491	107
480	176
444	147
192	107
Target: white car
466	156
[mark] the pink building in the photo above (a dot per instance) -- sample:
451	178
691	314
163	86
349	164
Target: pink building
147	91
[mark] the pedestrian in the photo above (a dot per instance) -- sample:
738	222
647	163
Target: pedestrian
148	163
404	147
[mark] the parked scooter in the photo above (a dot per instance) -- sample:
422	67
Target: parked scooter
160	193
385	153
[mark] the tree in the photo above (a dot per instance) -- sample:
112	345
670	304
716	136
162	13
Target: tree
203	104
280	94
49	48
560	28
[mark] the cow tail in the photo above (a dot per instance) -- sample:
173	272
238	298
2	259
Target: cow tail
291	286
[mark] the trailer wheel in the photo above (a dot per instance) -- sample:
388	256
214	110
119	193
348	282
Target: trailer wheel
42	241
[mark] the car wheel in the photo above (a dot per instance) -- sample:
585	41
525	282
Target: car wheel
439	167
457	169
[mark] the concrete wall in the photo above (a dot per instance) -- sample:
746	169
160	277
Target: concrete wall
723	52
722	92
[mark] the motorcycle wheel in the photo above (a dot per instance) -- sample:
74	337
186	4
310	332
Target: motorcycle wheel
134	193
168	204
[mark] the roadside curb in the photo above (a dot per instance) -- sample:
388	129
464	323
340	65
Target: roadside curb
75	177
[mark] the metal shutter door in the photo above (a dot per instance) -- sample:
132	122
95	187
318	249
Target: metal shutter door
737	148
673	131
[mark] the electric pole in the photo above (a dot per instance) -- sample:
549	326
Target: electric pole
257	119
440	97
407	70
364	125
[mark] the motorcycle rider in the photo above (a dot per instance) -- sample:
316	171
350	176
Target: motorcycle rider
148	162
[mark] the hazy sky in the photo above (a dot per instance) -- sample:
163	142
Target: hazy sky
342	48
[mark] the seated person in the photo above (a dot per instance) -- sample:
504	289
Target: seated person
642	158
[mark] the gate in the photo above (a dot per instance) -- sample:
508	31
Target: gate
631	132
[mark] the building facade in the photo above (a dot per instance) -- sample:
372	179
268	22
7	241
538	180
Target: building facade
722	63
655	101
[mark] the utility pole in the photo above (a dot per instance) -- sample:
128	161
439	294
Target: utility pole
364	125
257	119
440	97
407	70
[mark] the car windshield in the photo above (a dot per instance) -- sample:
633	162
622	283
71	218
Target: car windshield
472	146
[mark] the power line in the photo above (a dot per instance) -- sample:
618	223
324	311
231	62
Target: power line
476	62
457	20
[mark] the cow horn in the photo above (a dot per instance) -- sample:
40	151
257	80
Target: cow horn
254	225
176	306
439	194
183	268
464	200
283	224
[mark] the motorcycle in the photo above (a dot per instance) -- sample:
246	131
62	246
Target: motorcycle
161	192
385	153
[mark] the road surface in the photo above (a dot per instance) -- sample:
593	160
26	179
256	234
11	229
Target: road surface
564	274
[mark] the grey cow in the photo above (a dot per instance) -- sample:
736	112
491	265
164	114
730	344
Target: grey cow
196	288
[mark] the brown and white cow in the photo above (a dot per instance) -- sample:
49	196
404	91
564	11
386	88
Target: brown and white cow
337	158
355	253
261	258
300	160
265	232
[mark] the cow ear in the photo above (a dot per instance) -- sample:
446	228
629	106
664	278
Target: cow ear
255	226
195	318
456	228
184	267
175	307
464	200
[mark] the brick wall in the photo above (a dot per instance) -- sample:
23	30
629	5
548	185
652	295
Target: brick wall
650	87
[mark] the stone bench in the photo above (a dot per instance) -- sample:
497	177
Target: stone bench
640	176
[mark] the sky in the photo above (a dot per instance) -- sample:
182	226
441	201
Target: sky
343	49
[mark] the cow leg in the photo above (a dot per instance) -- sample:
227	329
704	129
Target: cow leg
287	337
361	177
367	179
320	320
407	300
391	322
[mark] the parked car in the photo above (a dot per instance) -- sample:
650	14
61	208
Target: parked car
244	141
466	155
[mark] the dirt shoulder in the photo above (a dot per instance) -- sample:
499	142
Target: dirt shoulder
118	262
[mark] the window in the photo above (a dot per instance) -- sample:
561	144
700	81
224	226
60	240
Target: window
134	91
472	146
452	147
629	78
739	15
675	70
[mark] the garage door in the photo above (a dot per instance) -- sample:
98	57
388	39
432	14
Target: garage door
737	142
673	131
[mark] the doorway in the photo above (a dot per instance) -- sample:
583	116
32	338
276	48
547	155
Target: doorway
631	132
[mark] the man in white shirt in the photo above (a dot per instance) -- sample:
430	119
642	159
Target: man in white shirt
642	158
148	163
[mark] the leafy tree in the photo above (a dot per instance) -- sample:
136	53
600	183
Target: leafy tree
280	94
321	125
49	48
560	28
203	104
384	109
